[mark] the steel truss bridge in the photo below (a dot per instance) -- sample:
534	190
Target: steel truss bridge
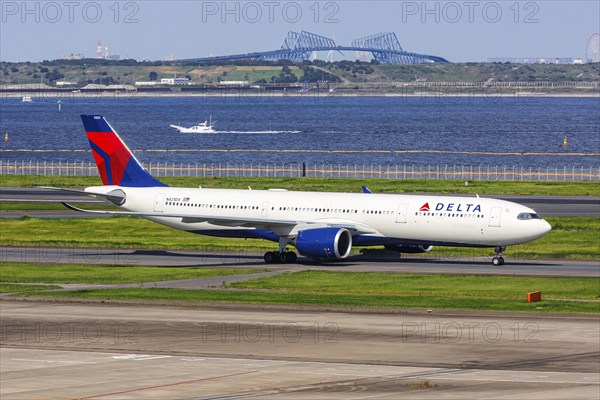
298	47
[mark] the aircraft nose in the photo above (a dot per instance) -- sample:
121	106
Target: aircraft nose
545	227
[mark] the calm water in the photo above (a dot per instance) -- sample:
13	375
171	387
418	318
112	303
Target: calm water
331	124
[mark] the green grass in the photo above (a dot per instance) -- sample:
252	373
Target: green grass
326	288
335	299
452	286
105	274
571	237
49	180
11	288
336	184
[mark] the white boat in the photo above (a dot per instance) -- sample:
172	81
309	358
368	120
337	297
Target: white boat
204	127
26	99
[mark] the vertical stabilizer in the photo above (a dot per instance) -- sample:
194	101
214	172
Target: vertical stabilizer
116	163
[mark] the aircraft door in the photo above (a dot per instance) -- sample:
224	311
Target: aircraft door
495	216
265	209
159	201
401	214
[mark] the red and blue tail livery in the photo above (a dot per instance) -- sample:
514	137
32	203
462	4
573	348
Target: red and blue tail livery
116	163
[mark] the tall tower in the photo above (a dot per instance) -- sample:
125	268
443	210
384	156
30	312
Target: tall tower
593	49
101	50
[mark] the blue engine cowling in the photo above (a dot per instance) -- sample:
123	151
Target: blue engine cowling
324	243
409	248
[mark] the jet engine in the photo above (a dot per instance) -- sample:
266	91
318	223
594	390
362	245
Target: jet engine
324	243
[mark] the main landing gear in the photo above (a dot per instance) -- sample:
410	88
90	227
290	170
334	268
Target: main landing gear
285	257
281	256
498	259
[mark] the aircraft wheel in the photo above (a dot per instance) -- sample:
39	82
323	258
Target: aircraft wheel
283	257
292	257
497	261
269	257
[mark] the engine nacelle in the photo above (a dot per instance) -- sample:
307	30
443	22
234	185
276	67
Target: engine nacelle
324	243
409	248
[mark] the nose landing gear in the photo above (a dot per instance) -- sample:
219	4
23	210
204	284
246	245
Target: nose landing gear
498	259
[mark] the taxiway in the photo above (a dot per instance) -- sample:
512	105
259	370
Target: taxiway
69	350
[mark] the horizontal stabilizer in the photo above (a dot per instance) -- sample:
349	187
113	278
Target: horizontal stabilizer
116	196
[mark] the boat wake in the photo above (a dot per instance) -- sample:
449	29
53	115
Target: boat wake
257	132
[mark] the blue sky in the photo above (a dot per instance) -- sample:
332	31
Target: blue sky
457	30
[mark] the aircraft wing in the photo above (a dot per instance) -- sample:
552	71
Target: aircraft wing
280	226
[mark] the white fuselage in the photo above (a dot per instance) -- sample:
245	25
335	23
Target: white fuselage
379	218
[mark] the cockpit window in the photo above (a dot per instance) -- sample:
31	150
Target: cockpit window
524	216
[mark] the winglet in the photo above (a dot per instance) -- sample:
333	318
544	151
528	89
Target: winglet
366	190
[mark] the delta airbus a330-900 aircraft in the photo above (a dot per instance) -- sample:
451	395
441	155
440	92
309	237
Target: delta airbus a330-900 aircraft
322	226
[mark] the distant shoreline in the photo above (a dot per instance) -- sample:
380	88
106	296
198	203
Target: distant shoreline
293	95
